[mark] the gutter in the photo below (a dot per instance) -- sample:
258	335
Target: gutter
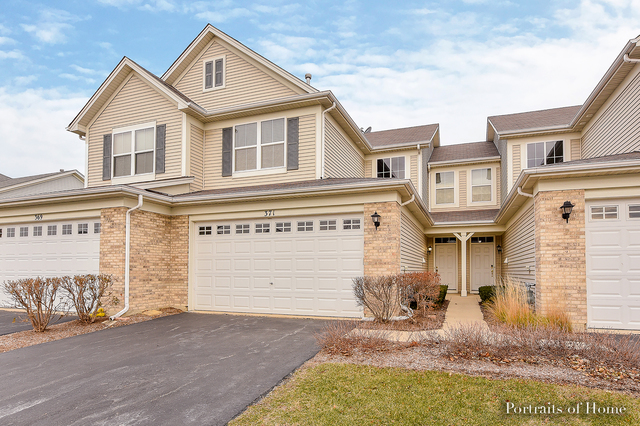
464	160
127	257
322	138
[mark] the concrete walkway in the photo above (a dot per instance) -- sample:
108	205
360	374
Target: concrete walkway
461	310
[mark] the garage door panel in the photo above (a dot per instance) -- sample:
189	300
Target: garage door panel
613	267
221	282
295	272
221	301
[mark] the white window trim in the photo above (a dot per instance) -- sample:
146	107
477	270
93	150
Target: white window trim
604	219
470	188
524	156
629	211
258	171
118	180
224	73
455	189
390	157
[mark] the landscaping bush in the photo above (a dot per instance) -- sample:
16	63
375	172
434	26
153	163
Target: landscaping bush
443	294
486	292
379	294
86	293
421	287
38	297
344	338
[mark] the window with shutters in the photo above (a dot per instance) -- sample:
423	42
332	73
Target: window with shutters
259	146
214	73
134	150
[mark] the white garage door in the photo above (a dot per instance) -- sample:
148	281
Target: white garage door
295	266
613	264
48	249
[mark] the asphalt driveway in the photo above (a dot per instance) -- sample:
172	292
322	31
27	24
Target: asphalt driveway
14	321
182	369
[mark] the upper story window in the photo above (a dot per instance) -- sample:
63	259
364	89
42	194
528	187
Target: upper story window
480	185
541	153
214	74
391	167
445	191
133	152
268	153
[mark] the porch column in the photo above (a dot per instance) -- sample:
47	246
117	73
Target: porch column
464	237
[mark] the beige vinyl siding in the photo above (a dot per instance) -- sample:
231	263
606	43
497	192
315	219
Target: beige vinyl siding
463	189
368	169
244	82
617	130
426	155
341	158
517	163
412	246
575	149
60	184
503	176
430	260
137	103
499	185
196	160
413	159
518	246
307	161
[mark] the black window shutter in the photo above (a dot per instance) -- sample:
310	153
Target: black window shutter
219	72
106	157
161	134
208	75
227	154
293	137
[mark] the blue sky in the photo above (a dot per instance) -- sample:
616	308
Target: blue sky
411	63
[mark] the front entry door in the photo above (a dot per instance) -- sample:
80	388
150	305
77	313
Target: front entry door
481	265
447	265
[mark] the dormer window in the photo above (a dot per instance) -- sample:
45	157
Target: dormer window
214	74
541	153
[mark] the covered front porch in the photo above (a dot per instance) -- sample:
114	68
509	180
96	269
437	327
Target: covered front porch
465	260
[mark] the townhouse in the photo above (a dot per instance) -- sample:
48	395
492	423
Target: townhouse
228	184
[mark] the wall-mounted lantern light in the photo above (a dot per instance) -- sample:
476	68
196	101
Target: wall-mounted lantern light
429	250
376	219
566	208
499	248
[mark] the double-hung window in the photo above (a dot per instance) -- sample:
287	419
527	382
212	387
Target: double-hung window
445	191
133	152
480	185
541	153
259	146
214	74
391	167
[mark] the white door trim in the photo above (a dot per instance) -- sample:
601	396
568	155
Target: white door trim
455	269
474	288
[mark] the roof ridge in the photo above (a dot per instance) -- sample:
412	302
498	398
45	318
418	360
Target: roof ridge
403	128
537	110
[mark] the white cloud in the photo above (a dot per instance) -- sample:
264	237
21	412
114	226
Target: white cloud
222	15
74	77
24	80
53	26
34	136
4	30
7	40
13	54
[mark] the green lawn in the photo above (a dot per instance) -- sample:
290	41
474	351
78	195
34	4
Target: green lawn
342	394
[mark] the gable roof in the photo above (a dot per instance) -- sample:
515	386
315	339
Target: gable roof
8	182
205	36
534	120
464	151
3	177
402	136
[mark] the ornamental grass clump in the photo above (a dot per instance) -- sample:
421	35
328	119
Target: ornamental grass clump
509	305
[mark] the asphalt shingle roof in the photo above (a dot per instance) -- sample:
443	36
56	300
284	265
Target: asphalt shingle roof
534	119
464	151
4	183
464	216
405	135
596	160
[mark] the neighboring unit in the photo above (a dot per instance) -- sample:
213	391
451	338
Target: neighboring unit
248	190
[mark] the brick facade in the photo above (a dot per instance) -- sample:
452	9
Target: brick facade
561	280
382	246
159	263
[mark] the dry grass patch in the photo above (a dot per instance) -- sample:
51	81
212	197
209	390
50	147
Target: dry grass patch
22	339
432	320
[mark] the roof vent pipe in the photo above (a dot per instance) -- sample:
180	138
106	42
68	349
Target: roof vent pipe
307	77
626	58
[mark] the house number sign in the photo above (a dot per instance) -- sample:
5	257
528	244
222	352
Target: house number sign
269	212
38	217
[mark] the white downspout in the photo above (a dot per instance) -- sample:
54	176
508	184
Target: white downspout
524	193
322	136
626	58
413	197
126	258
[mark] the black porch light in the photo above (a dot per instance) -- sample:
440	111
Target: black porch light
429	250
376	219
499	248
566	208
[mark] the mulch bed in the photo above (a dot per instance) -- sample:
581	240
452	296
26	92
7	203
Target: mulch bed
433	321
9	342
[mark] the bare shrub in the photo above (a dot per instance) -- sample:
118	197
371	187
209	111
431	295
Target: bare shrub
86	293
344	338
379	294
421	287
38	297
